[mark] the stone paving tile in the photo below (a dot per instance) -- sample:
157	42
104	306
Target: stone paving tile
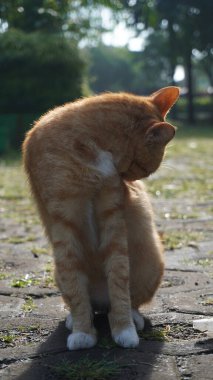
198	259
195	302
33	291
49	306
196	367
175	281
10	306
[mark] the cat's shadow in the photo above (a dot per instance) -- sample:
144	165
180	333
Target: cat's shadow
53	352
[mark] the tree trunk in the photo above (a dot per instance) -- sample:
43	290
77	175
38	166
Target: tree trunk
189	81
172	59
209	74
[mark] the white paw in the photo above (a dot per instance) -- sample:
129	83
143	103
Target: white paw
69	322
80	340
138	319
127	338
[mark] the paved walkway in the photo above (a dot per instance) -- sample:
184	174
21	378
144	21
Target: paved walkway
32	330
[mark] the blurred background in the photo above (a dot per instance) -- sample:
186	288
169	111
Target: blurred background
55	51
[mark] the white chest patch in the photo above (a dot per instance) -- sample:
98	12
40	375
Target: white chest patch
105	164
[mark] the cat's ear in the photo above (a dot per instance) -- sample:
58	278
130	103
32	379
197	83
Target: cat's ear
165	98
160	133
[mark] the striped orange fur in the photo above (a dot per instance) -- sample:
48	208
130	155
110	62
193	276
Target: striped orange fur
84	161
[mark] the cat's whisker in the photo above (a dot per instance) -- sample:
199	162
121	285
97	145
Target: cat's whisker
170	145
167	166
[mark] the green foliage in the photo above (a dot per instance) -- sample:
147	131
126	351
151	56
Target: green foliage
37	71
178	239
154	70
21	239
43	15
118	69
186	22
7	338
208	302
159	334
110	69
40	65
188	29
107	343
3	276
24	282
39	251
29	305
78	18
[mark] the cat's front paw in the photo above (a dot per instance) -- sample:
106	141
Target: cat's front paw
127	338
80	340
69	322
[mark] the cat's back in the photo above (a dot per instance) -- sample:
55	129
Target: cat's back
87	111
84	117
52	131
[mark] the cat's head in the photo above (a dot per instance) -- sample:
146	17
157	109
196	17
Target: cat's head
153	133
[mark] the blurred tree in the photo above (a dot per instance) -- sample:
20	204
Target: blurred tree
205	46
39	62
155	67
77	18
188	26
40	65
206	64
118	69
29	16
37	72
110	69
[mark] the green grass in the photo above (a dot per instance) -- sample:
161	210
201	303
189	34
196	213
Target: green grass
4	276
7	338
178	239
44	279
187	167
208	302
30	328
29	305
24	282
12	181
15	201
159	334
204	262
87	369
39	251
21	239
106	343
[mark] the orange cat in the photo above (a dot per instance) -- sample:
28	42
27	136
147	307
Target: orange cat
83	161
